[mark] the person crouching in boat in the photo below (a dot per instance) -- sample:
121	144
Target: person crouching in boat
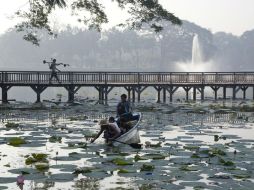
110	129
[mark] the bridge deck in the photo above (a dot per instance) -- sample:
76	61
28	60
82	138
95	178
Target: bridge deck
126	78
135	82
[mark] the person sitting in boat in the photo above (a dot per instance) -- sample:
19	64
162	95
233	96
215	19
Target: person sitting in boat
110	129
124	109
124	125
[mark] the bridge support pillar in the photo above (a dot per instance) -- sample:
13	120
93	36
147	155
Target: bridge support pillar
194	93
215	89
101	95
5	94
128	88
253	93
244	88
187	89
139	91
38	90
71	92
164	95
171	90
202	92
133	94
158	88
106	92
224	92
235	90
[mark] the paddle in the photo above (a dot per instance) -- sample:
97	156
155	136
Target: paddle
133	145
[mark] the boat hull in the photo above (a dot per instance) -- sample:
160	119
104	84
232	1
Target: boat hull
131	136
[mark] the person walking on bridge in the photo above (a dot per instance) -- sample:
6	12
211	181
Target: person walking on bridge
53	67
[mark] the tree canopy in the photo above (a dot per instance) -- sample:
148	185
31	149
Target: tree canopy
92	14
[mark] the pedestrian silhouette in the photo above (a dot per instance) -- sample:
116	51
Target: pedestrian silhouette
53	67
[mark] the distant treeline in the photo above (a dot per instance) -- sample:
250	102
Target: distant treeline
128	50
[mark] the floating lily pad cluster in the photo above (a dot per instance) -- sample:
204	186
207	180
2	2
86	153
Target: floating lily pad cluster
182	150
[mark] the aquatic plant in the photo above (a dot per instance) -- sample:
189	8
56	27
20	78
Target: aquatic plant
12	125
16	141
149	144
54	139
191	148
147	167
146	187
121	162
41	166
187	168
154	156
242	176
246	108
138	157
82	170
36	158
226	163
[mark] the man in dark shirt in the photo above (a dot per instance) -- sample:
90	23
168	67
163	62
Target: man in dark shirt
124	109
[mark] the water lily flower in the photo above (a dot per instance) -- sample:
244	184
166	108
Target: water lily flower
20	179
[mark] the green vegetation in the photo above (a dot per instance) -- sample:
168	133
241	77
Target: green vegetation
147	167
138	157
154	156
41	166
82	170
124	171
36	158
242	176
78	145
16	141
187	168
191	148
146	187
55	139
78	118
12	125
226	163
121	162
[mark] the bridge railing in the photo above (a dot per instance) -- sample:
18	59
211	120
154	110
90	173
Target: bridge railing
43	77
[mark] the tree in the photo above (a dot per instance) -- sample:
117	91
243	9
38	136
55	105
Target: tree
141	11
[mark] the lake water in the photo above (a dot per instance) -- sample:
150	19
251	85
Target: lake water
185	146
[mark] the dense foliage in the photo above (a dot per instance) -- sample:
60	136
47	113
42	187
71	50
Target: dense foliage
92	14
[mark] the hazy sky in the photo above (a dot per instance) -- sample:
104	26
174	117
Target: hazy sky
235	16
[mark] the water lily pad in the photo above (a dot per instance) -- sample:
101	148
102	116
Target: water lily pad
62	177
97	174
26	170
5	180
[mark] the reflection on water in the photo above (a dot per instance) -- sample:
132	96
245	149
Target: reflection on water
184	147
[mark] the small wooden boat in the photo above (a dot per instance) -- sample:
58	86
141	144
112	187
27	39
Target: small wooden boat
131	136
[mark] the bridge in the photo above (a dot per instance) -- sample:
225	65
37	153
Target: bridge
134	83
